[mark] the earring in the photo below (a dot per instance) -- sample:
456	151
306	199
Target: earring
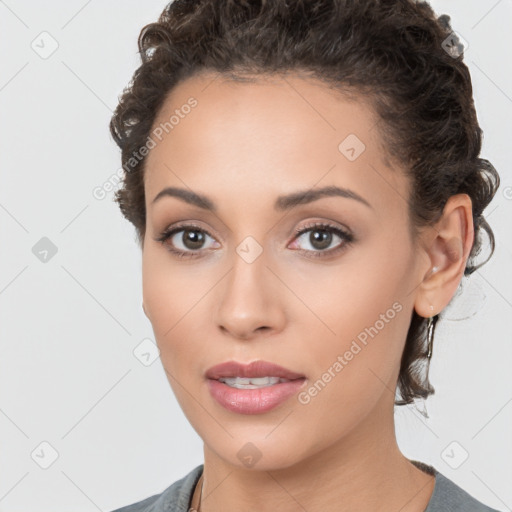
431	323
433	270
430	333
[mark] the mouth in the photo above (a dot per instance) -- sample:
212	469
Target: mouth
252	383
258	374
253	388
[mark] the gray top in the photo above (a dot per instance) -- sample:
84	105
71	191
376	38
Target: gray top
447	495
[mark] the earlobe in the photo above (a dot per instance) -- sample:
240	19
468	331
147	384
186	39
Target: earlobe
448	250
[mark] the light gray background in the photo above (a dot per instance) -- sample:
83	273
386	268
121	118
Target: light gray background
69	326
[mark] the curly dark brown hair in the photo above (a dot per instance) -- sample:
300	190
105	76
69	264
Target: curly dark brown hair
397	53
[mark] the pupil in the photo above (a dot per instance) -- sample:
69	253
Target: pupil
320	242
193	239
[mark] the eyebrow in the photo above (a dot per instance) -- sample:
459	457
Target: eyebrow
282	203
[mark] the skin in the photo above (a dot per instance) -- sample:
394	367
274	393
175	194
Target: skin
243	145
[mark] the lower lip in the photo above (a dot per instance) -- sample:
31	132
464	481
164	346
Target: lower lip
253	401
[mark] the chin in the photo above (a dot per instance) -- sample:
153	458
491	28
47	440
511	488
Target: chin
258	452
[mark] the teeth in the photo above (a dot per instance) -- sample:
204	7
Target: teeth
251	382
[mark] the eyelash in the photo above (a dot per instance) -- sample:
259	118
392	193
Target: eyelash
347	238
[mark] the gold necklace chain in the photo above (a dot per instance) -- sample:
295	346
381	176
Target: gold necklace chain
198	509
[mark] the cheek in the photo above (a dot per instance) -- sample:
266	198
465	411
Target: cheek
169	303
357	311
169	290
175	299
156	292
354	370
342	299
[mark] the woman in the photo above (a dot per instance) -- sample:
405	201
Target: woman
306	189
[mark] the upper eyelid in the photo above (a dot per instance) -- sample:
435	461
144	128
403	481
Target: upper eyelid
324	224
308	225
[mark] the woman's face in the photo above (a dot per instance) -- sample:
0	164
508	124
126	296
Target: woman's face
332	304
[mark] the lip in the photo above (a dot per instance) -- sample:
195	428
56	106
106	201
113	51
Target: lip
253	369
253	401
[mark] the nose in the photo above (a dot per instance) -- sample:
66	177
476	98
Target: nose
250	301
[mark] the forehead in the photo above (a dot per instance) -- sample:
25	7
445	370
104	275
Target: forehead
277	132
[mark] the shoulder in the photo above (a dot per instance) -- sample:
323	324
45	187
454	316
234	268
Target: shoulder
448	496
176	498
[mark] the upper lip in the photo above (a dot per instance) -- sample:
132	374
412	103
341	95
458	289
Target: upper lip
253	369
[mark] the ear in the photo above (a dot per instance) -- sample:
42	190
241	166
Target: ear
446	245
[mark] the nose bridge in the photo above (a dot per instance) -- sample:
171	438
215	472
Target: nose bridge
249	298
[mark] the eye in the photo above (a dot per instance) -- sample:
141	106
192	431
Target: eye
321	236
188	240
185	240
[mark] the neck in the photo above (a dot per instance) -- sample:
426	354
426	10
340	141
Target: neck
364	470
